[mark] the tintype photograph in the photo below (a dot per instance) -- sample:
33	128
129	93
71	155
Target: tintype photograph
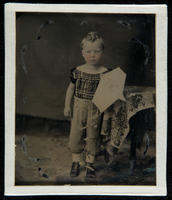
85	106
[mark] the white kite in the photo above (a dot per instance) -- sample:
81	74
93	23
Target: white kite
110	89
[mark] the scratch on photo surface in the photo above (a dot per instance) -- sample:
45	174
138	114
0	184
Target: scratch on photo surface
22	54
41	27
24	149
124	24
145	47
83	23
42	173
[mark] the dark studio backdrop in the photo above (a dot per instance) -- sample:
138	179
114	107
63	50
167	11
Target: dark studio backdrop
48	46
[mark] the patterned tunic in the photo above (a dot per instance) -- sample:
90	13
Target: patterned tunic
85	83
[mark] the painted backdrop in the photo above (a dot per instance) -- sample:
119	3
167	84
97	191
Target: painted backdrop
48	46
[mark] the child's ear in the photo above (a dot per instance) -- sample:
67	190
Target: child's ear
82	52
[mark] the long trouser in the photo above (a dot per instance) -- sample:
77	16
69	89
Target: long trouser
86	119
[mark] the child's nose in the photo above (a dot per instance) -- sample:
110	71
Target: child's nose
92	54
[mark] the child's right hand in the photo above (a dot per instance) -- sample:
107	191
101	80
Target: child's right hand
67	112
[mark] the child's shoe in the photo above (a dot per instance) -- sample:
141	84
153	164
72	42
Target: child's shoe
75	169
90	171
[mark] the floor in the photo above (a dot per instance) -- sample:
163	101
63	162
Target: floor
43	158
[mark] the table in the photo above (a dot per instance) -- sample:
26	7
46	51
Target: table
137	99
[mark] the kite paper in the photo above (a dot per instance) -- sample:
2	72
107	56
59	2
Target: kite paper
110	89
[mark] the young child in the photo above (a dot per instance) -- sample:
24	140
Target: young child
86	116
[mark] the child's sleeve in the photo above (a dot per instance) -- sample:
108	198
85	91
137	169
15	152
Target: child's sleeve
72	75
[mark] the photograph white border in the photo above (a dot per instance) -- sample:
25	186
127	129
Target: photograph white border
161	99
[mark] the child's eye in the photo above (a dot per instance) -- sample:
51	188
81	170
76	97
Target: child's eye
97	51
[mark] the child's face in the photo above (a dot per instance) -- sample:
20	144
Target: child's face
92	52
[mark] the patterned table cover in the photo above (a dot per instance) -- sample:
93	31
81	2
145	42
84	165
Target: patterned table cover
137	99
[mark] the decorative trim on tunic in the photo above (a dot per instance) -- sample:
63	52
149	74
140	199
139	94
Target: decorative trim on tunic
85	83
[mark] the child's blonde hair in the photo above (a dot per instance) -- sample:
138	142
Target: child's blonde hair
92	37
